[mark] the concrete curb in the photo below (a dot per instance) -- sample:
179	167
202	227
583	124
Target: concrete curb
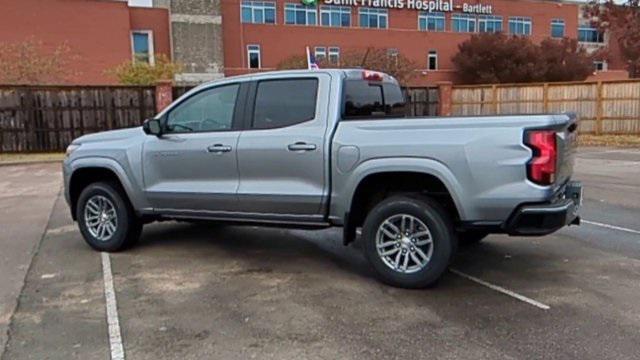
18	163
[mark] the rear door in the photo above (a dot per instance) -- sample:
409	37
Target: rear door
281	151
192	167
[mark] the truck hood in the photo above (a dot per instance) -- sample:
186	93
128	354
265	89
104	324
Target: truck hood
112	135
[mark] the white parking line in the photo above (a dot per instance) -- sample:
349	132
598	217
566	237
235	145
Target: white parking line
62	230
502	290
115	337
611	227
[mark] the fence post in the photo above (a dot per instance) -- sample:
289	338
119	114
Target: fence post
545	98
164	95
494	98
599	109
445	89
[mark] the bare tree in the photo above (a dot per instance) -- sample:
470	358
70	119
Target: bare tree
28	62
622	21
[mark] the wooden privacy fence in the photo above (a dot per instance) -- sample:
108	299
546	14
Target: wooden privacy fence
48	118
422	101
607	107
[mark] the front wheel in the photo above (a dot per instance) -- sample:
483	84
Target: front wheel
409	241
106	220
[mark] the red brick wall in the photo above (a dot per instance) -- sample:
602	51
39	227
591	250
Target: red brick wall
98	32
156	20
281	41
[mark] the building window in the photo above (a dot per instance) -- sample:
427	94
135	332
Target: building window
253	57
431	21
142	46
489	24
557	28
336	16
334	55
298	14
258	12
589	34
373	18
520	25
320	52
463	23
432	60
600	65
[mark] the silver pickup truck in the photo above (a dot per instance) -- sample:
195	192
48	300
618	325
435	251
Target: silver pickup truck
315	149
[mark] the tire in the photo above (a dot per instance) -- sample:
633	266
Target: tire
469	238
426	214
97	200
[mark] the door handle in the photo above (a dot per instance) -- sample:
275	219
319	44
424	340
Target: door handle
301	146
219	148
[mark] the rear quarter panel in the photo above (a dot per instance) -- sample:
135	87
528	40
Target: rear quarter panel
481	160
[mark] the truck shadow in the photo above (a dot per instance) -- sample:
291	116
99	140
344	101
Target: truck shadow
291	250
300	251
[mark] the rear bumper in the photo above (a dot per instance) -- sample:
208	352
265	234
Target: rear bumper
543	219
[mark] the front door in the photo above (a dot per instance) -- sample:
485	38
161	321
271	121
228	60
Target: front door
281	152
193	167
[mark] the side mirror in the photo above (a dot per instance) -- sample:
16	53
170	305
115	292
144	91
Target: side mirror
152	127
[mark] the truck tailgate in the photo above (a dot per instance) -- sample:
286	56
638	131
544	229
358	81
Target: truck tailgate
567	148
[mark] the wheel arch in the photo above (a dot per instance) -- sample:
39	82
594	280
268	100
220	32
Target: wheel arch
382	177
87	172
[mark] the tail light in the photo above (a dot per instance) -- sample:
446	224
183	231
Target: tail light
541	169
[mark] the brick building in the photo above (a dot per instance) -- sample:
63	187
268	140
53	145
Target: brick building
260	34
215	38
100	34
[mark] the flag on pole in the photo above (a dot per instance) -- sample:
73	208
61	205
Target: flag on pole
311	61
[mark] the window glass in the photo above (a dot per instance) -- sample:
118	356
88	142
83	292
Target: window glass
600	65
258	12
141	47
431	21
365	99
393	100
373	18
489	23
590	35
209	110
299	14
433	60
281	103
253	56
520	25
337	16
463	23
320	53
334	56
557	28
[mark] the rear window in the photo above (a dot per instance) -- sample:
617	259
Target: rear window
363	99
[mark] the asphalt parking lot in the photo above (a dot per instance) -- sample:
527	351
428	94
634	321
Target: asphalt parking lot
225	292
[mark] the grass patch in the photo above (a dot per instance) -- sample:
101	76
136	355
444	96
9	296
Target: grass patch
609	140
10	158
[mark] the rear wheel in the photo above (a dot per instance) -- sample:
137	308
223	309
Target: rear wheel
106	220
408	241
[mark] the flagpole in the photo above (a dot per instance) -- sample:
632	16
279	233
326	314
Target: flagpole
308	59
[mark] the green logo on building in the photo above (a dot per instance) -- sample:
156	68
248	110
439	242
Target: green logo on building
309	2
